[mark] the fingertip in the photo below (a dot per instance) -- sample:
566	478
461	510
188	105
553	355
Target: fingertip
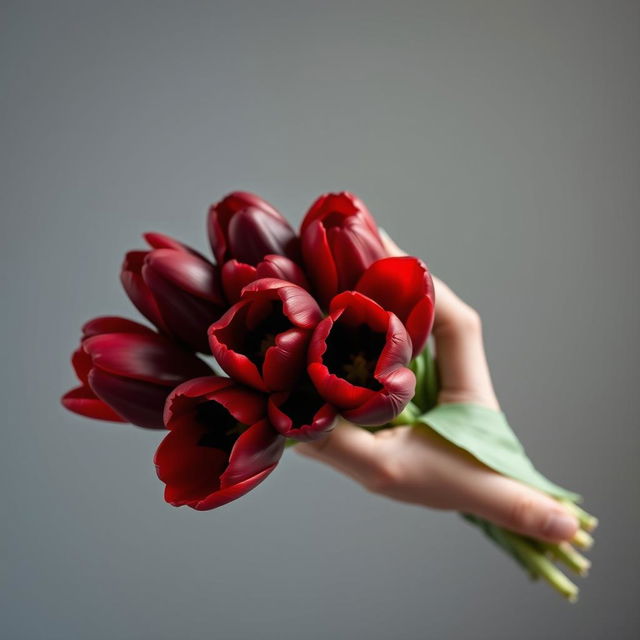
559	526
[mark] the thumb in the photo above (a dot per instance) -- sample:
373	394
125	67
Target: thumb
519	508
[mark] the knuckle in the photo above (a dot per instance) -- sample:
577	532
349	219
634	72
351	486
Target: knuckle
469	319
385	477
522	512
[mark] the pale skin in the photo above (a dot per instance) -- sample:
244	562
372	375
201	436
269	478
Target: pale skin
414	465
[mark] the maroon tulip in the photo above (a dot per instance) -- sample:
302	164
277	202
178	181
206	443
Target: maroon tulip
357	360
220	445
175	288
404	286
127	371
242	226
301	414
262	340
237	275
340	240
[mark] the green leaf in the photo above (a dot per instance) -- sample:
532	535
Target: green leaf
487	436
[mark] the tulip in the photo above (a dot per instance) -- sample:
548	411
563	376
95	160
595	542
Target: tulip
219	446
261	341
340	240
301	414
244	227
404	286
127	371
357	360
175	288
237	275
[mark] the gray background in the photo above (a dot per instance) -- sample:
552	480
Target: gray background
498	140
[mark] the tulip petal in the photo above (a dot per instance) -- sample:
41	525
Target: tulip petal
245	405
301	415
319	261
114	324
186	316
148	358
186	272
191	472
141	403
138	291
281	268
235	276
404	286
84	402
258	448
286	360
253	233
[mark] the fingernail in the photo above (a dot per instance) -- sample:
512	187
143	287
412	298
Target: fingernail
560	526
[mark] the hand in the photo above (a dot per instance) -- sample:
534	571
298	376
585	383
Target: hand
415	465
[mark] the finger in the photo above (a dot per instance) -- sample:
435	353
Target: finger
518	508
462	363
347	448
391	247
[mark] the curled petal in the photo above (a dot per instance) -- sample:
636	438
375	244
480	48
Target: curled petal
258	448
298	305
235	276
281	268
301	415
404	286
284	361
369	384
245	405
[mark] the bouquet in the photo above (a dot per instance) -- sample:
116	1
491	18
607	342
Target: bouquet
271	343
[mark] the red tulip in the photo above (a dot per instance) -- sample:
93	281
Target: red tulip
404	286
237	275
127	371
220	445
175	288
262	340
242	226
301	414
340	240
357	360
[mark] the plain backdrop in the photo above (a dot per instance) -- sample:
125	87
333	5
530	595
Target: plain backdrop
497	140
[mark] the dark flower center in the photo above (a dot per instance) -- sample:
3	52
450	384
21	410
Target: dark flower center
258	339
221	428
334	219
302	405
352	353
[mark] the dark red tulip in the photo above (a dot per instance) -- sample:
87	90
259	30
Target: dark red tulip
357	360
262	340
175	288
242	226
301	413
340	240
220	445
404	286
127	371
237	275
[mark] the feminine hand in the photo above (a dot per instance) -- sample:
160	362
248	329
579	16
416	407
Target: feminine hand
413	464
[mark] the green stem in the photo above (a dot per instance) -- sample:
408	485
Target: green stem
587	521
407	416
564	552
541	566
